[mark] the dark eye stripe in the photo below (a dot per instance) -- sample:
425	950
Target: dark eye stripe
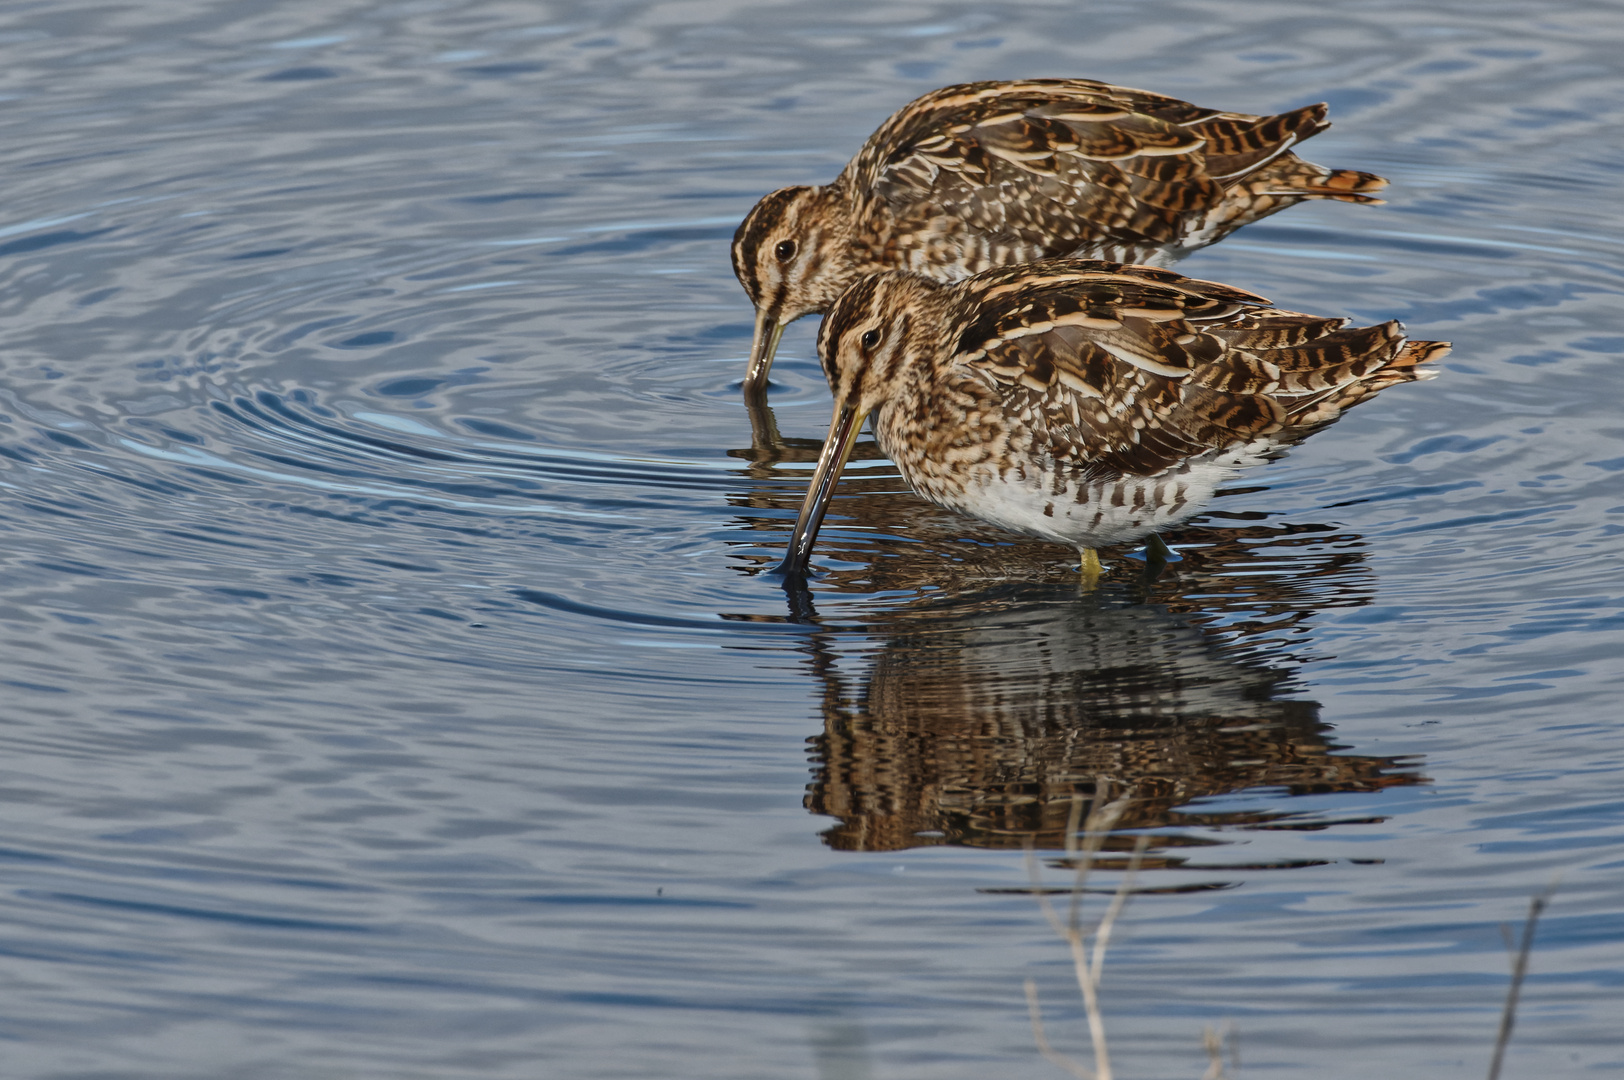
741	265
766	218
845	312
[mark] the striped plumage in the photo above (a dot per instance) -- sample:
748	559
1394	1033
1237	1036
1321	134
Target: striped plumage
1083	402
997	173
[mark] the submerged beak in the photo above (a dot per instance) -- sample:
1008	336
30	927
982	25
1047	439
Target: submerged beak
843	431
762	347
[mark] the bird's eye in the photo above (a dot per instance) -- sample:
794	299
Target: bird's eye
785	250
871	339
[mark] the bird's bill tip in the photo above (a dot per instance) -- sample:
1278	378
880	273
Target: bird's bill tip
837	448
763	344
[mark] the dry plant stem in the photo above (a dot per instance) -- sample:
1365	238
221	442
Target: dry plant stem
1081	866
1214	1038
1082	845
1056	1057
1095	830
1519	970
1074	855
1102	933
1215	1053
1091	1005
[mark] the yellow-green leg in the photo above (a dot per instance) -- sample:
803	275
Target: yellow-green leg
1091	568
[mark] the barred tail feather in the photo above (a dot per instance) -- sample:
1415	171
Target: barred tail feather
1421	352
1294	178
1238	148
1308	415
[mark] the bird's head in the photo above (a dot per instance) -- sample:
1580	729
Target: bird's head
792	253
875	344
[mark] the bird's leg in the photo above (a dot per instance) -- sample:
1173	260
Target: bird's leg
1091	568
1157	551
1157	556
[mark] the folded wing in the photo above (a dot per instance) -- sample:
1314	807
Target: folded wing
1039	168
1126	369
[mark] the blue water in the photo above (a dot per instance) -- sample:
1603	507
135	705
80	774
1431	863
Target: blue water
390	690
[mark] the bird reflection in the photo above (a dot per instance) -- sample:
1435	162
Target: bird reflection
979	729
986	693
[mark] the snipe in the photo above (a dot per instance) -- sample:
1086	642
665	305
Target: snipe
997	173
1087	403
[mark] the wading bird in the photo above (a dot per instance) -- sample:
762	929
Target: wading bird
1087	403
997	173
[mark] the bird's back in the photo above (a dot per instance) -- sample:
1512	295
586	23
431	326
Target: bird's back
994	173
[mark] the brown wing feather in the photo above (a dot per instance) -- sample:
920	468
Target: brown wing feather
1128	369
1238	145
1048	167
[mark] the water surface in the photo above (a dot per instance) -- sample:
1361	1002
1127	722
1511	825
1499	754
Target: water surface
391	689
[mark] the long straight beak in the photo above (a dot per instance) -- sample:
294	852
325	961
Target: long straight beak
762	347
843	431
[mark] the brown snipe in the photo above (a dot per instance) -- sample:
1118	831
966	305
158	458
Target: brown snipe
997	173
1087	403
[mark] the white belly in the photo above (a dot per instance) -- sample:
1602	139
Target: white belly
1092	515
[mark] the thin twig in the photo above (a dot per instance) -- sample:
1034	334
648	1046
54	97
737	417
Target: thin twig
1519	970
1076	1069
1091	1006
1073	826
1080	866
1082	843
1102	933
1095	832
1085	837
1089	968
1215	1039
1036	876
1214	1043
